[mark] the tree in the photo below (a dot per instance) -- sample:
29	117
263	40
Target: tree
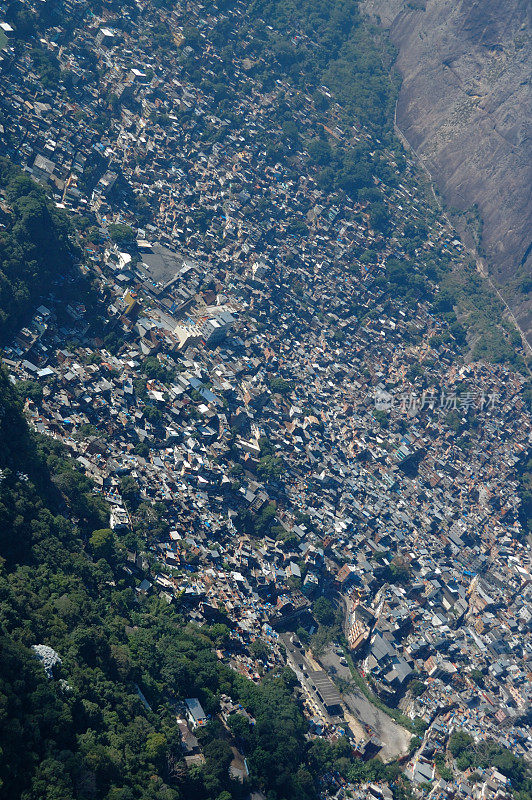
477	676
291	133
220	634
353	176
156	746
303	636
320	151
259	649
30	389
263	522
102	543
142	449
323	611
34	247
420	726
281	386
416	687
382	417
129	490
270	467
379	216
460	742
239	726
122	234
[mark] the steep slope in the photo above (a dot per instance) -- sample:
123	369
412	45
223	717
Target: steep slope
82	728
35	251
464	106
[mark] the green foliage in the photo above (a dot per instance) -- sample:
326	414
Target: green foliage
443	769
323	611
459	742
142	449
271	467
47	67
34	248
320	151
102	544
496	348
264	520
346	55
444	301
382	417
277	754
416	687
482	311
303	636
239	726
259	649
405	281
122	234
485	754
373	771
477	676
129	489
419	725
155	370
29	389
454	420
524	476
281	386
379	217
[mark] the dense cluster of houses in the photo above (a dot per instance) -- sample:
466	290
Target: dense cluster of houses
239	381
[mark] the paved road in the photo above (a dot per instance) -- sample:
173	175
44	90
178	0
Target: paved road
395	739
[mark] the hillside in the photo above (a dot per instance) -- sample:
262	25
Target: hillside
83	729
237	398
35	252
464	107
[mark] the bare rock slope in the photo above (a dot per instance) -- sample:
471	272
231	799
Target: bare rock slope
465	107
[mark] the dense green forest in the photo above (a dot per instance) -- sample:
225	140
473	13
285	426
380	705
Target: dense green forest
35	250
335	47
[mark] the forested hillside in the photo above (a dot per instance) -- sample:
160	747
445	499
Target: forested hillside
86	732
34	246
336	46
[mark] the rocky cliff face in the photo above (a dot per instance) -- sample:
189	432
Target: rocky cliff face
465	107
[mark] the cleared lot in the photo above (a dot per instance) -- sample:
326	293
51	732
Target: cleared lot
395	739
